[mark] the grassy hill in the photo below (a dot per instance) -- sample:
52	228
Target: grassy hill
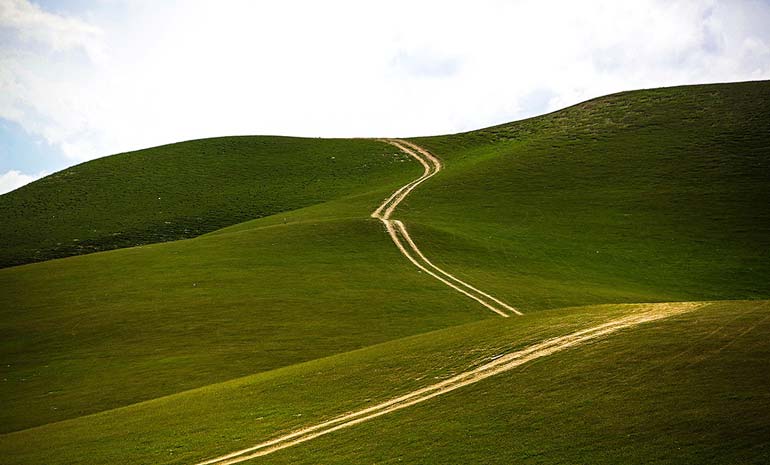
295	306
91	333
649	195
686	390
184	190
689	389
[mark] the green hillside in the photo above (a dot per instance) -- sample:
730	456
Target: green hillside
91	333
184	190
688	389
651	195
290	305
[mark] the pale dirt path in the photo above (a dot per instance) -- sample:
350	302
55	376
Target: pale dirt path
395	228
499	365
394	235
408	238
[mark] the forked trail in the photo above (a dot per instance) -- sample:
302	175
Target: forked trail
400	236
499	365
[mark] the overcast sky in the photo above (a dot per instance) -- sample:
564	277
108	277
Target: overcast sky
83	79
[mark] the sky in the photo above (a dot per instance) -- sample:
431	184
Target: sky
85	79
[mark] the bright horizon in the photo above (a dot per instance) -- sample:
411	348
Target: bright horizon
81	80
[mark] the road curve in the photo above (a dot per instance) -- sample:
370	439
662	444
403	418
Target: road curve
398	232
406	245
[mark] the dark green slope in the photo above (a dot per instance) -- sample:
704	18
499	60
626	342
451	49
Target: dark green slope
183	190
649	195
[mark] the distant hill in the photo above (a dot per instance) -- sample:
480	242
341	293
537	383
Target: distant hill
184	190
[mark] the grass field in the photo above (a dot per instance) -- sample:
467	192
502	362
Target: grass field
290	305
687	390
184	190
140	323
644	196
688	377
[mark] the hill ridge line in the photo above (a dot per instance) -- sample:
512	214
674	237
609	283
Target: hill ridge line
502	363
397	231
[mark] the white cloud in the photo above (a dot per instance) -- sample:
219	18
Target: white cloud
158	72
60	33
12	180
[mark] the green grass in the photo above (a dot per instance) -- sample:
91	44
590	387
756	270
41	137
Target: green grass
291	305
96	332
642	196
692	389
184	190
695	382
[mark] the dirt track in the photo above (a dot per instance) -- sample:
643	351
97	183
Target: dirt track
397	231
507	361
499	365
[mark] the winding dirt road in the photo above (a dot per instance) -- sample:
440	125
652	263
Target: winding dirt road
499	365
397	231
502	363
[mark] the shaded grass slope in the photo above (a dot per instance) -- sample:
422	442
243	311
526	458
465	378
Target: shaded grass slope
689	389
648	195
184	190
91	333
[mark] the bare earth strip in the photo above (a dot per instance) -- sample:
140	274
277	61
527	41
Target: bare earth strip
394	234
397	231
499	365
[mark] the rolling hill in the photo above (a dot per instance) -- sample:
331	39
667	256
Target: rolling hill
183	190
291	306
665	392
650	195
